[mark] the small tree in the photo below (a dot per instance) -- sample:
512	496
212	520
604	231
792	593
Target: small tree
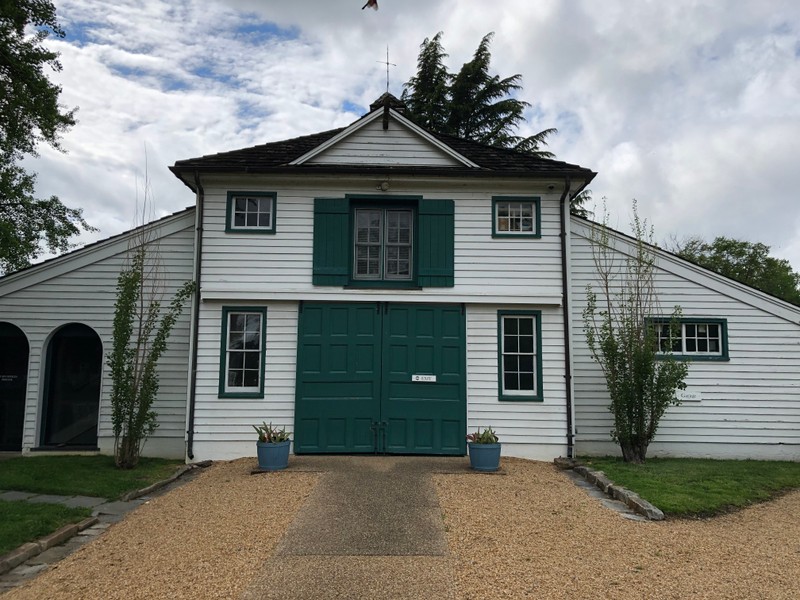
140	338
624	341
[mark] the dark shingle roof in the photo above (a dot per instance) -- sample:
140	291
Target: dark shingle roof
275	157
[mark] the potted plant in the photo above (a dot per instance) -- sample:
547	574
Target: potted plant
272	447
484	450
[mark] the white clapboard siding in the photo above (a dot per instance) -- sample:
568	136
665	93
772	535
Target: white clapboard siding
224	426
80	287
279	266
526	429
750	405
372	145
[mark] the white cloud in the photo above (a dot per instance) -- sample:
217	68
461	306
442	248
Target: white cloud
692	108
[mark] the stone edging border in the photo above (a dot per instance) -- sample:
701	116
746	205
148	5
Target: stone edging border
608	487
31	549
27	551
164	482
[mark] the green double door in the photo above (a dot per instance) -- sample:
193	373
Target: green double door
381	377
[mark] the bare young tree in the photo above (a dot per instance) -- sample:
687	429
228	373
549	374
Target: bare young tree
630	338
141	331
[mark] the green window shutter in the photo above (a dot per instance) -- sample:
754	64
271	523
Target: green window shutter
435	243
331	241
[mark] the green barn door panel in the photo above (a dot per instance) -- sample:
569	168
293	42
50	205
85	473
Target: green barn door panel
424	417
338	378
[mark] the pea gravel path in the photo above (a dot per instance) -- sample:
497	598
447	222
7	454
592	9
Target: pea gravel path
525	533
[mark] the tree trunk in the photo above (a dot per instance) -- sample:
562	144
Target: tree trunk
633	452
127	454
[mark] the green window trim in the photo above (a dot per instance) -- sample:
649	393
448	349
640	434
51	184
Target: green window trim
432	251
537	394
224	391
536	217
384	206
252	229
695	356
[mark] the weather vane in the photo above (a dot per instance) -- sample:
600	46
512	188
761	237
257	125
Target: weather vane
388	64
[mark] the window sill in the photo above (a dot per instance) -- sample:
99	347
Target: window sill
687	358
520	398
258	395
385	285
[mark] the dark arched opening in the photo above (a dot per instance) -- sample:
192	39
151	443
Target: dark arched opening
13	385
72	390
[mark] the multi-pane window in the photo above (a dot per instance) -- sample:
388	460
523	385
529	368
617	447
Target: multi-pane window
243	337
383	243
251	212
693	338
514	217
520	360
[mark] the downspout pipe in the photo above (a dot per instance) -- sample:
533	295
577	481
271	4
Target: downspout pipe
564	205
198	250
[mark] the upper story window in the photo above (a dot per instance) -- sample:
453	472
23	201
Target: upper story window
694	339
383	244
251	212
400	242
515	216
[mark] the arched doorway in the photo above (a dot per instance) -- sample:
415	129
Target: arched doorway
72	389
13	385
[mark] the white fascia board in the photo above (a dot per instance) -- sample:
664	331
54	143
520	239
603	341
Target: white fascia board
377	115
546	299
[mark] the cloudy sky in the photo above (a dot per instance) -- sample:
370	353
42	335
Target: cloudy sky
692	107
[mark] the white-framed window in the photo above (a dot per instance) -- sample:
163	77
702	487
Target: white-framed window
694	338
251	212
383	243
519	355
512	216
243	344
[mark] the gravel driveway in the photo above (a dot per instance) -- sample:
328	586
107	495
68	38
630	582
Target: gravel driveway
525	533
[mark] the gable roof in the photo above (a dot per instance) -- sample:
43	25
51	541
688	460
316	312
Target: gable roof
669	261
290	156
89	253
388	114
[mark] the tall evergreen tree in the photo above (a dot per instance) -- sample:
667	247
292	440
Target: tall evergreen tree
471	104
426	93
29	114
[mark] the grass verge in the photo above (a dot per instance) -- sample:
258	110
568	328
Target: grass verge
81	475
22	522
687	487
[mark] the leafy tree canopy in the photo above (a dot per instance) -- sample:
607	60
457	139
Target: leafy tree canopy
474	104
747	262
29	114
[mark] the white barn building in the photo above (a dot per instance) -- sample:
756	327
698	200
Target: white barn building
380	288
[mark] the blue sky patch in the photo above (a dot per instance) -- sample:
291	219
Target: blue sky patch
353	108
257	32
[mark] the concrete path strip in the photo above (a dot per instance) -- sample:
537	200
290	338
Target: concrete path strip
372	528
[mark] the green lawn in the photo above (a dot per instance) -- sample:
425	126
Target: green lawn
22	522
686	487
81	475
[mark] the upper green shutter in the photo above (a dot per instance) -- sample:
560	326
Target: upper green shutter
331	241
435	243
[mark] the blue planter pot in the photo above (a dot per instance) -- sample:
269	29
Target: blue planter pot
273	457
484	457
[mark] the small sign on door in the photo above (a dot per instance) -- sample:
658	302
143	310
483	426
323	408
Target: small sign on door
423	378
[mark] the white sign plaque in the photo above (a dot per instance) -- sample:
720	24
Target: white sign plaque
687	396
424	378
